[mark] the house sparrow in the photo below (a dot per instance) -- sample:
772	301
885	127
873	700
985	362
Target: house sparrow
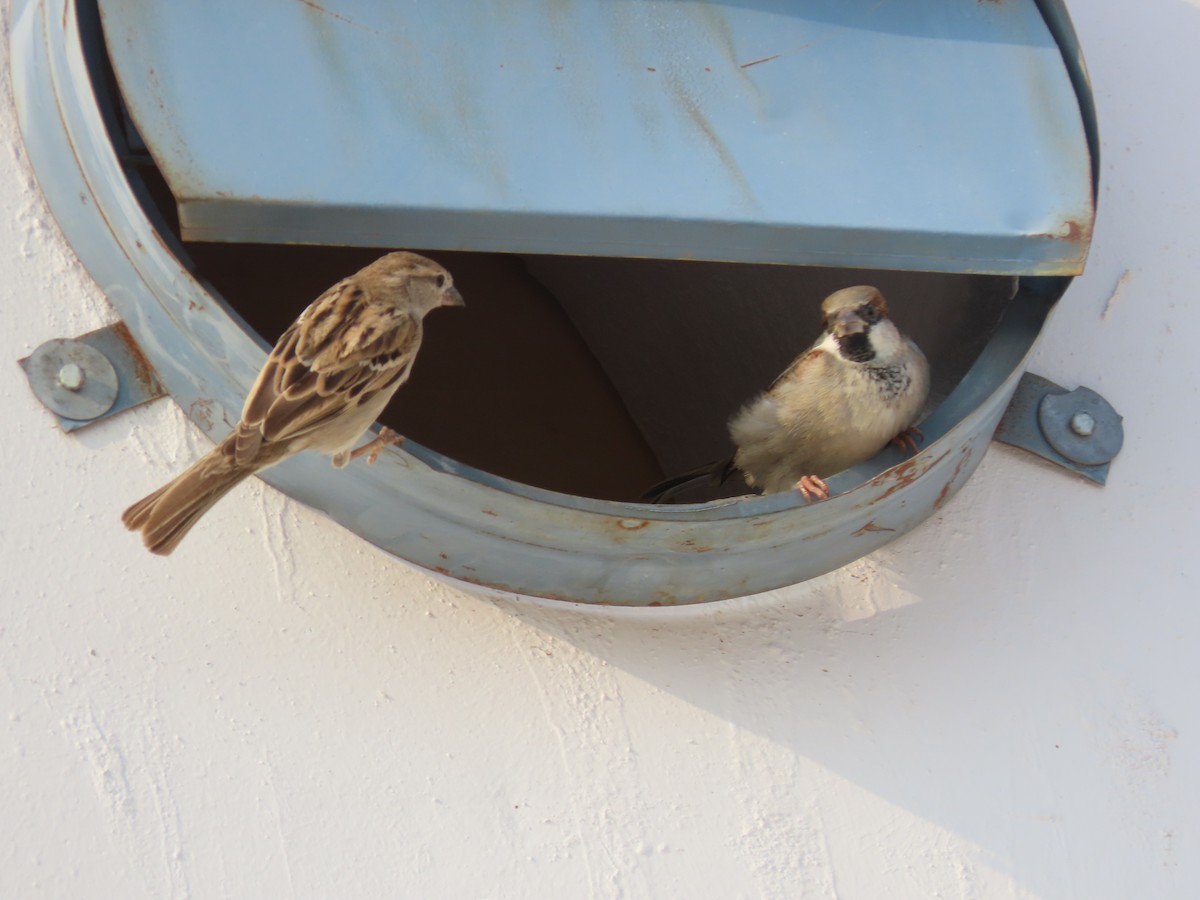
858	388
325	382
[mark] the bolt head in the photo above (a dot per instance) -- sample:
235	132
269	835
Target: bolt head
71	377
1083	424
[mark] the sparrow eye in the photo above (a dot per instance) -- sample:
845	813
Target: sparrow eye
440	281
869	314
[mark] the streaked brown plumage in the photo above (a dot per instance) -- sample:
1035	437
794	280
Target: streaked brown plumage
326	381
860	386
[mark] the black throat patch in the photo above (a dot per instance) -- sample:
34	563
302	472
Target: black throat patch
856	347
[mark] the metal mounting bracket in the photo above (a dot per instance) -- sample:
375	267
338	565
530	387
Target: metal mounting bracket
96	375
1078	430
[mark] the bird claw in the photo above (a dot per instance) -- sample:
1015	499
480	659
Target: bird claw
374	447
811	486
907	440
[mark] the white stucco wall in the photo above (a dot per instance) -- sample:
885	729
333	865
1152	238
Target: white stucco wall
1001	704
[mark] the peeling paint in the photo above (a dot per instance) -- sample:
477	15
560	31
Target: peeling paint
870	527
901	476
201	411
1072	231
944	493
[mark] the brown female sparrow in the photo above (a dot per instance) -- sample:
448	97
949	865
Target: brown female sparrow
858	388
327	379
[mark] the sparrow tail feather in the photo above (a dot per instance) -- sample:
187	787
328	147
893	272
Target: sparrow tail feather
716	473
166	516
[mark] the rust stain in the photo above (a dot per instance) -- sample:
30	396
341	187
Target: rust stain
871	526
489	512
632	524
1077	232
758	61
200	412
142	370
1072	231
762	523
905	474
945	491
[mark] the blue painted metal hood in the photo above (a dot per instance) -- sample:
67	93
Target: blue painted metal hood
926	135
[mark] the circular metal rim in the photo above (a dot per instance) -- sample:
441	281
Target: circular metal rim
425	508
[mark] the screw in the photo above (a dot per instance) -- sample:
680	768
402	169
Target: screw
1083	424
71	377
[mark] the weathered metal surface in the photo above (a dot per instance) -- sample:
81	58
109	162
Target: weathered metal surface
92	377
1082	426
425	508
1058	20
930	135
1078	430
73	380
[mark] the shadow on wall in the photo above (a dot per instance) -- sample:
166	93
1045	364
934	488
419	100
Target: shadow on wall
942	706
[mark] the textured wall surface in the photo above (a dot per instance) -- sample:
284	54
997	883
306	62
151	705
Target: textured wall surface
1001	704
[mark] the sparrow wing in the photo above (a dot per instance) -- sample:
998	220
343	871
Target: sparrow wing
785	432
811	364
341	349
347	325
810	394
797	365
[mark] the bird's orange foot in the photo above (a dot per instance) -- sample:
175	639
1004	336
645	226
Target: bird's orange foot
907	440
373	448
812	486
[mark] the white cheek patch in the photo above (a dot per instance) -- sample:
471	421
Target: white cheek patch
886	340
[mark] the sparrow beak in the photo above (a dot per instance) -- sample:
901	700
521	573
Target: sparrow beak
847	321
451	297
